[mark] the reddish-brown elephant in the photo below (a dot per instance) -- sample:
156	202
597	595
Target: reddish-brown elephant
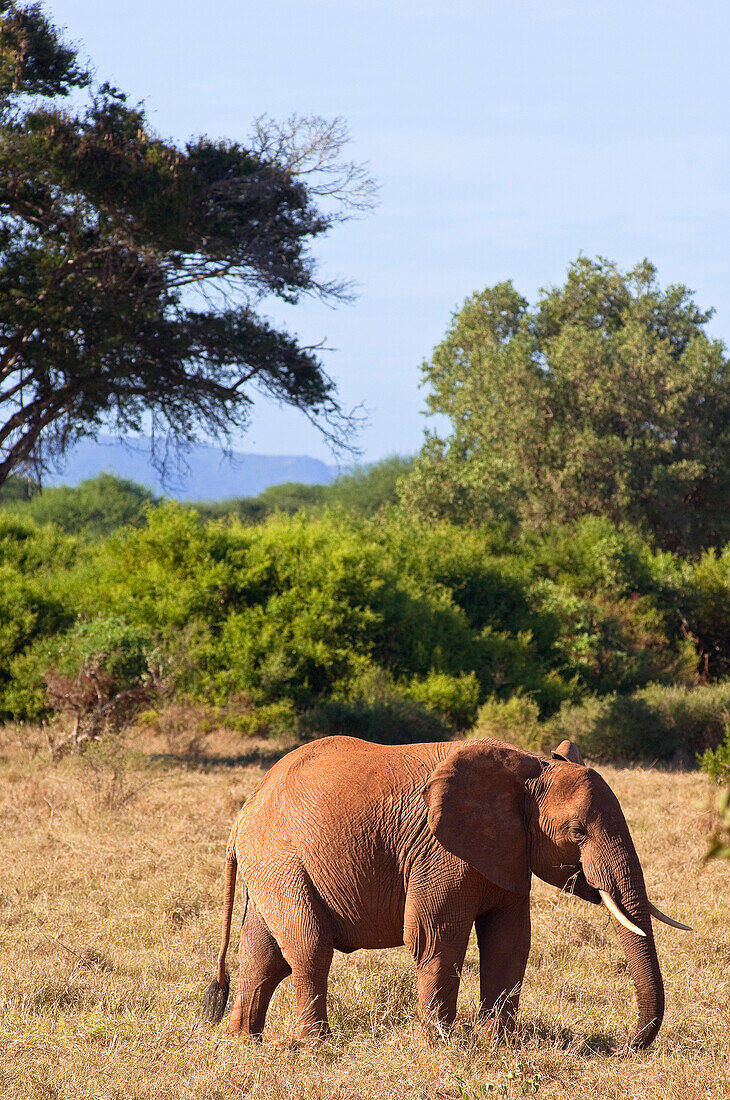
347	845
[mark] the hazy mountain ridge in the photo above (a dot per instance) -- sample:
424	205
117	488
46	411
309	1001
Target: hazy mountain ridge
203	473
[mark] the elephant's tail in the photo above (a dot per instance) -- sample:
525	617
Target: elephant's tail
216	995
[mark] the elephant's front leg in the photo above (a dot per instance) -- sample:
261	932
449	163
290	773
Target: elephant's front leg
503	936
437	922
438	942
438	982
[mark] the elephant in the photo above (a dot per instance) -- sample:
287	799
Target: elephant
346	845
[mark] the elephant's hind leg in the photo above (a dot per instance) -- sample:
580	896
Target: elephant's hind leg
262	967
296	916
310	957
305	934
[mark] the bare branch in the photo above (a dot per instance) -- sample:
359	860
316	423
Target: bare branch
310	148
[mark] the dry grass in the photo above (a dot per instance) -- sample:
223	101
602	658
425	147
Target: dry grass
109	914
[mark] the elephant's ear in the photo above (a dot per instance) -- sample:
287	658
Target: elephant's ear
476	810
568	750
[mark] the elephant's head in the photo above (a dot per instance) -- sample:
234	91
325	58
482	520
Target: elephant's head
508	814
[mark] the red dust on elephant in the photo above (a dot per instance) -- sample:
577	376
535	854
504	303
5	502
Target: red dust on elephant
347	845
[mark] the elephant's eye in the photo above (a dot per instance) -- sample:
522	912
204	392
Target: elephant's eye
577	831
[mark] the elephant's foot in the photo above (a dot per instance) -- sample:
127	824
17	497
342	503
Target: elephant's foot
241	1033
313	1031
498	1029
432	1026
244	1022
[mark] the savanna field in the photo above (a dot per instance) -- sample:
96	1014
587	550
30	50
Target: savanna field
553	563
110	901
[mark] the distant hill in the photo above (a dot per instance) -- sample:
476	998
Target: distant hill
206	474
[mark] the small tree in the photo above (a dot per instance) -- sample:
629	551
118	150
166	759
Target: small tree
131	269
608	398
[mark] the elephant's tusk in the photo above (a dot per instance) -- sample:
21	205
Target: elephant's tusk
667	920
616	912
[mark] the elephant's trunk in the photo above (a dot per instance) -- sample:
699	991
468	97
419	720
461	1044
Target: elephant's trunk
644	967
619	874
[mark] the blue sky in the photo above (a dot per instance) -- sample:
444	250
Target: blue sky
507	137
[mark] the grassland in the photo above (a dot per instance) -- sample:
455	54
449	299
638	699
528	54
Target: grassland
109	914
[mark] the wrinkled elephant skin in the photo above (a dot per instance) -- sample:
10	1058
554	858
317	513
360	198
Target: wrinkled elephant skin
347	845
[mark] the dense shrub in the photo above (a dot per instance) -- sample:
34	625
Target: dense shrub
396	720
304	614
95	668
516	720
716	762
616	604
657	722
593	556
300	609
706	608
92	509
453	697
37	599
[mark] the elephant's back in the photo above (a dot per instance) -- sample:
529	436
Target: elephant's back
350	814
342	774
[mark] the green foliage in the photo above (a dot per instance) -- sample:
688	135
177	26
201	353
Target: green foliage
396	720
299	608
516	719
594	556
365	491
656	722
607	398
453	697
707	610
92	509
33	549
129	265
479	616
103	647
266	720
32	59
344	623
80	670
35	601
716	762
368	489
289	497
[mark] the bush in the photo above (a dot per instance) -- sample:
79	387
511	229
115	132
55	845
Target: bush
516	720
656	722
98	672
716	762
707	611
298	608
37	597
299	611
92	509
394	721
269	720
453	697
376	710
593	555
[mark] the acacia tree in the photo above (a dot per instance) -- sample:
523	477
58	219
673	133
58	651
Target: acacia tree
608	397
132	270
